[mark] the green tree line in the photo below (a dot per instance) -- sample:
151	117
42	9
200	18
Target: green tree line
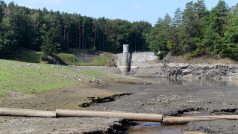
53	32
196	31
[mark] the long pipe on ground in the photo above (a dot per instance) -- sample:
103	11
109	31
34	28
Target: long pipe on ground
168	120
26	113
129	116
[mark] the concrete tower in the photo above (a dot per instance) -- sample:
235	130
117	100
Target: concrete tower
125	60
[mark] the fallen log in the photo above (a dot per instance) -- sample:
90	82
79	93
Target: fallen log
129	116
169	120
26	113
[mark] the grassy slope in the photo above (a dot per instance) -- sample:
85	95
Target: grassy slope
32	78
101	60
27	56
68	58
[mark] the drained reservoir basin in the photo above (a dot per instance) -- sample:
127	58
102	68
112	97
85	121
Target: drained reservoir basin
163	96
178	98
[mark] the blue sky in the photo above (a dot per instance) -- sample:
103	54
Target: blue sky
132	10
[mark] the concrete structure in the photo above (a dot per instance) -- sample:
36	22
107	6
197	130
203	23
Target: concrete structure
138	59
125	60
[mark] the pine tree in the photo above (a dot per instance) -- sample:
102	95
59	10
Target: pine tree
189	26
51	41
160	39
177	20
214	32
231	35
176	31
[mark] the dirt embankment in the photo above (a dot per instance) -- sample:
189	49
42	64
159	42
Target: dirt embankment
189	71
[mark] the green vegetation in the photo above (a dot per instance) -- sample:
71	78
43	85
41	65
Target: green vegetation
104	59
51	41
53	32
95	74
196	31
69	58
33	78
26	56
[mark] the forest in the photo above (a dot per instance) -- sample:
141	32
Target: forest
194	31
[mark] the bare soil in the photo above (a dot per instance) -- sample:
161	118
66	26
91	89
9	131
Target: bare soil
148	96
71	98
179	97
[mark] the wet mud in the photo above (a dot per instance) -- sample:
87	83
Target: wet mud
119	127
156	128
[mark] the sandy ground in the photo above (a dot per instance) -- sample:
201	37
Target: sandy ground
162	96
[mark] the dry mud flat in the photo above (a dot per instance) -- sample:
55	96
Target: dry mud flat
170	97
72	98
179	97
64	99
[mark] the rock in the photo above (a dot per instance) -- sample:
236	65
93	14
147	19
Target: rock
186	72
198	71
52	59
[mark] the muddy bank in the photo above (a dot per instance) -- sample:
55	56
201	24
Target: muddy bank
118	127
179	98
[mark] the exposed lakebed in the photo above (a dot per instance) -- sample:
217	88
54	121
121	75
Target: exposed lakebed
177	98
163	96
